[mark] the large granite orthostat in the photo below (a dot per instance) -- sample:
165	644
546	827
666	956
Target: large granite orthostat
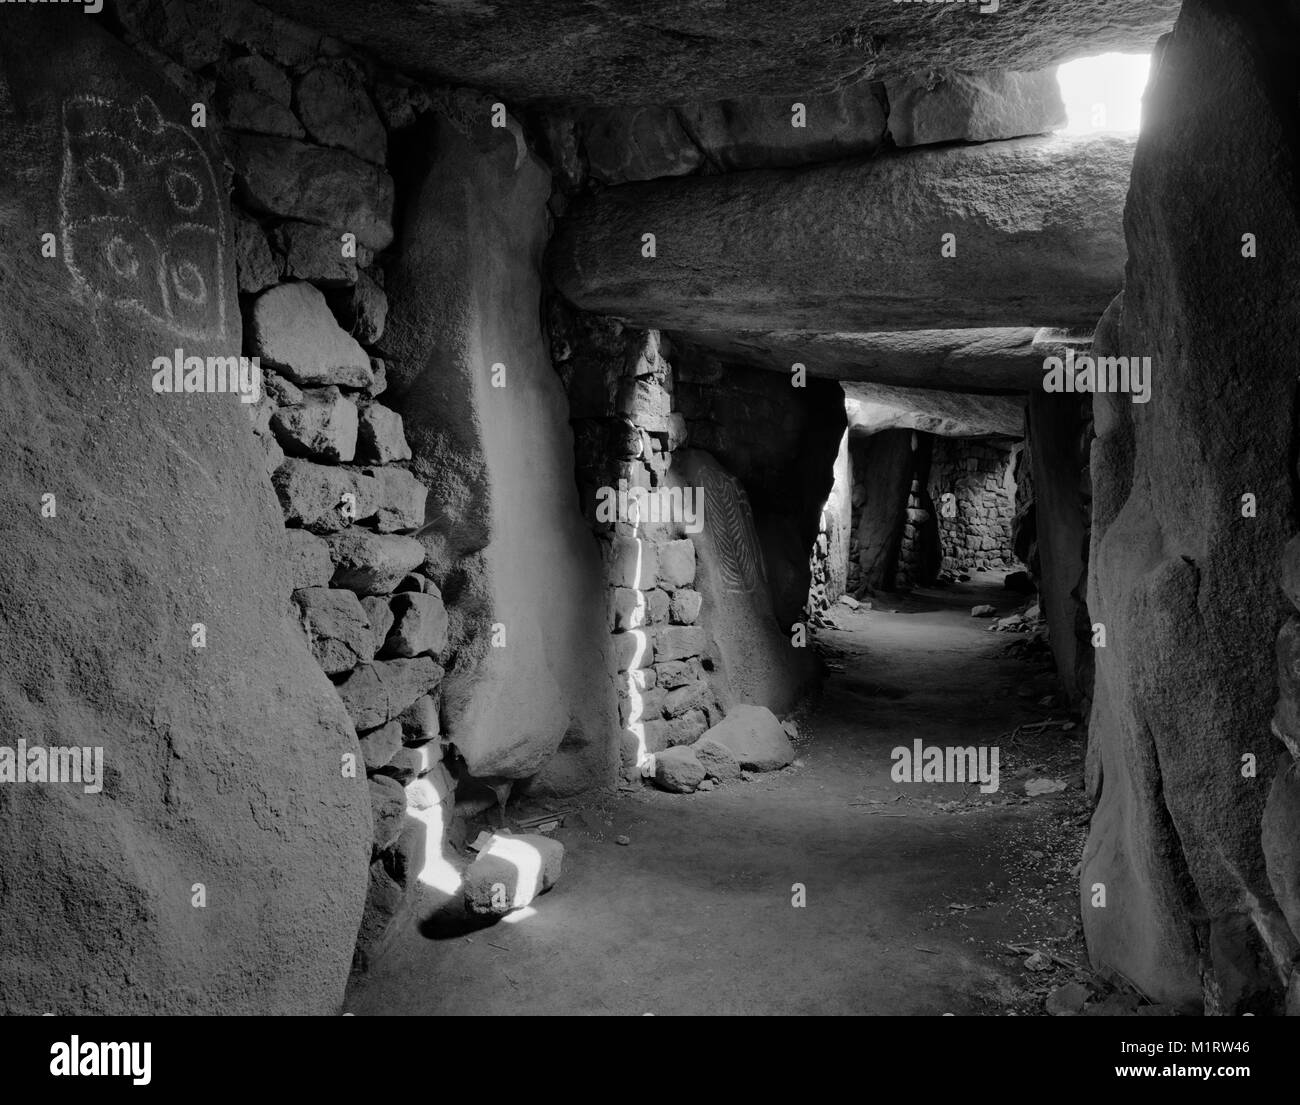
222	765
506	537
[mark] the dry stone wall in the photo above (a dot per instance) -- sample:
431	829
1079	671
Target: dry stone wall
973	480
305	125
388	574
829	565
782	443
690	607
626	430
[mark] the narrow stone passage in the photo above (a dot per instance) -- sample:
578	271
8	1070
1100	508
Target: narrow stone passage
913	890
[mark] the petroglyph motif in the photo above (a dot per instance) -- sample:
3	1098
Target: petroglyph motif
140	215
731	524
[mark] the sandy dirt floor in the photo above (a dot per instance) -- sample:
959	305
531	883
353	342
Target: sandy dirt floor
920	898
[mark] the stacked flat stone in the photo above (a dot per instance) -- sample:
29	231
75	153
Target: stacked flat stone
308	140
980	536
819	596
909	551
626	427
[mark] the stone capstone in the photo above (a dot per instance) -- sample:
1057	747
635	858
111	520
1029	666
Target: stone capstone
1035	226
973	107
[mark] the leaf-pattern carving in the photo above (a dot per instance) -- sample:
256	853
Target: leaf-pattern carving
731	523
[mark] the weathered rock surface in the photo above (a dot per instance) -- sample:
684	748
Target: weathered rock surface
380	745
1186	586
388	808
756	661
337	628
323	426
676	563
253	95
672	51
334	107
685	607
372	563
362	308
419	720
1036	223
973	107
294	180
717	758
1281	841
313	495
886	457
639	143
760	132
643	143
1059	454
401	499
293	331
991	359
753	735
376	693
308	559
221	766
780	443
502	522
254	264
875	407
677	769
315	253
419	625
378	614
679	643
511	871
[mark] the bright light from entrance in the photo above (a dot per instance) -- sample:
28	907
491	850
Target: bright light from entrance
1103	93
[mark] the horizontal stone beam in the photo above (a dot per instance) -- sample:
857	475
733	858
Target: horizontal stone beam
998	359
1037	226
671	51
874	407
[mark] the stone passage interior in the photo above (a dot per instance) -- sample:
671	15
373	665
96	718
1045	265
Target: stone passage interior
664	494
